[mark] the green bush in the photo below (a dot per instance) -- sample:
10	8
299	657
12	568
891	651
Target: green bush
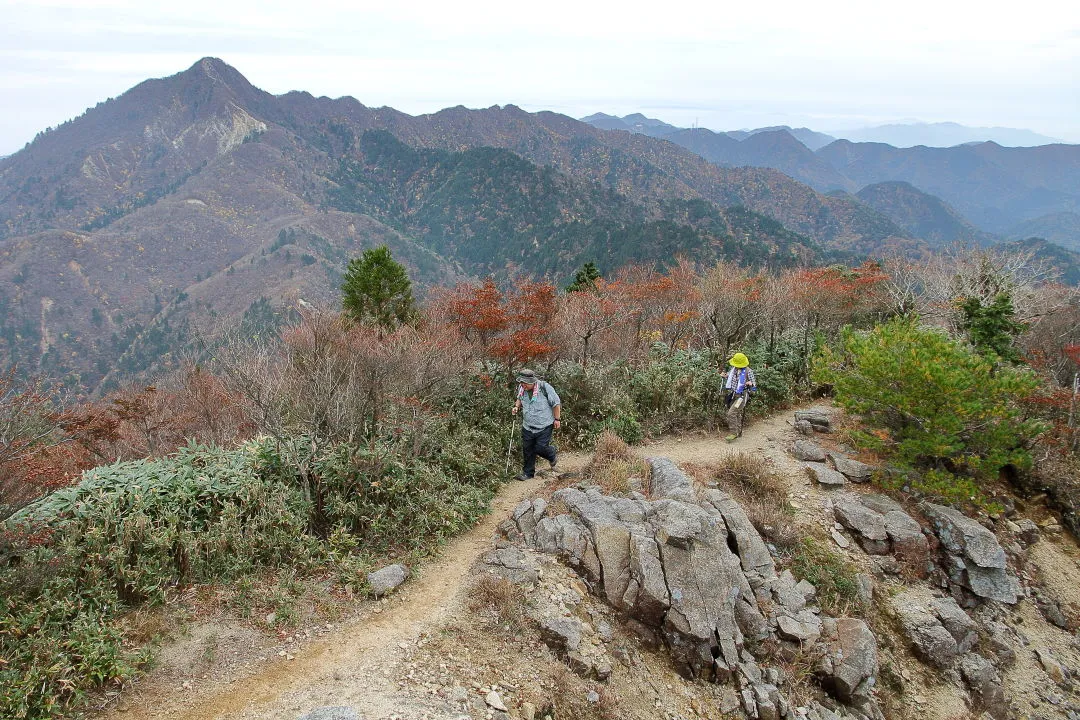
777	366
595	400
678	389
73	563
940	405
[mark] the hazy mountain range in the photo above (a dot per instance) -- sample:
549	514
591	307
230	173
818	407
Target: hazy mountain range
901	135
197	201
1000	190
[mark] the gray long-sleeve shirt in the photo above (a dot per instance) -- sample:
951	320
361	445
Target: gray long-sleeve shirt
537	411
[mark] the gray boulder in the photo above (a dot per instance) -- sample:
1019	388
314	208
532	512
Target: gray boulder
850	665
983	680
868	525
512	564
818	418
808	450
805	628
824	475
932	642
386	579
977	561
851	469
668	481
963	629
562	633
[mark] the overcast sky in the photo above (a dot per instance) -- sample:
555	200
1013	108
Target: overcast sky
723	65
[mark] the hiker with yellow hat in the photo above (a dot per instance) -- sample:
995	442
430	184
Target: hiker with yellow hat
740	383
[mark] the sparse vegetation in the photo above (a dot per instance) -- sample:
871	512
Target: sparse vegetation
500	602
834	578
613	464
763	494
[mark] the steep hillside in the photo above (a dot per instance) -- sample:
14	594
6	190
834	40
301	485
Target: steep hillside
493	210
1061	228
777	149
922	215
993	186
1064	261
130	232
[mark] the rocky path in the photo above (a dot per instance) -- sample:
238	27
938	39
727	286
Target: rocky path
348	666
360	662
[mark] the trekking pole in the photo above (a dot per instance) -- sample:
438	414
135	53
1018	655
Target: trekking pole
510	447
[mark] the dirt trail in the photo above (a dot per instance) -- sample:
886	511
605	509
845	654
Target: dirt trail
350	665
360	662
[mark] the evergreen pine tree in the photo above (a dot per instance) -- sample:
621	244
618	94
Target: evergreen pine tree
377	290
585	278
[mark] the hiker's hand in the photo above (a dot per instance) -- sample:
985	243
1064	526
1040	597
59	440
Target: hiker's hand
513	410
558	423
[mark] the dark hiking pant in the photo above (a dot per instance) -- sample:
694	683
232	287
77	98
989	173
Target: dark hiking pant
533	443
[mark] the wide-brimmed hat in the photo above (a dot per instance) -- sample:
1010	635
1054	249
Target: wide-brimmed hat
527	376
738	360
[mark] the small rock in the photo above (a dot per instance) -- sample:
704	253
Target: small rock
593	697
852	469
1050	664
825	475
808	450
494	701
840	540
387	579
1028	531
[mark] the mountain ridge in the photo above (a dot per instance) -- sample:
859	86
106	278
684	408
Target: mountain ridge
197	201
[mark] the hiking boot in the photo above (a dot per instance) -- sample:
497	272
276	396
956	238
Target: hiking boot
731	438
522	477
555	465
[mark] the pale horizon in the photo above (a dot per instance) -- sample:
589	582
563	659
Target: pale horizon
830	67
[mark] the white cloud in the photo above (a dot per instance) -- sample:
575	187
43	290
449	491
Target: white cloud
732	64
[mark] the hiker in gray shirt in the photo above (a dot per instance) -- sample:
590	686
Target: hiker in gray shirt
540	408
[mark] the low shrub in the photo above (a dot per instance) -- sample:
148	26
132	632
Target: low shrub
499	601
944	409
678	389
834	578
73	563
613	464
594	402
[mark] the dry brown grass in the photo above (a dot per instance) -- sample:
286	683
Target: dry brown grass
569	698
500	601
763	494
613	464
799	667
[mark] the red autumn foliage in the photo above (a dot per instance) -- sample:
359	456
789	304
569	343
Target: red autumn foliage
511	328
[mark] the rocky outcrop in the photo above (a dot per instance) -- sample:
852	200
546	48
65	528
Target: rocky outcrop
853	470
882	527
690	567
939	630
974	561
